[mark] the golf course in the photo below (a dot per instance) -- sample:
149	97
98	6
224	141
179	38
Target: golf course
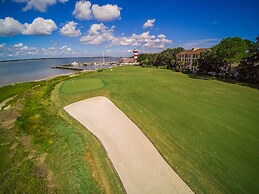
206	130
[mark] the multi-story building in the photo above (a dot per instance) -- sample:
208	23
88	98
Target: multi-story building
188	58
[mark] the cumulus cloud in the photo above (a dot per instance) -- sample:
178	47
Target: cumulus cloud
158	42
106	12
144	39
24	48
85	11
10	27
39	26
65	49
70	30
39	5
82	10
149	23
97	34
18	45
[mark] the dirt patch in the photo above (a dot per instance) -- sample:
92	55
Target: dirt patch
8	117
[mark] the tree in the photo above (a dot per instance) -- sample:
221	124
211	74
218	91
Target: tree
147	59
209	62
220	57
230	51
167	58
248	69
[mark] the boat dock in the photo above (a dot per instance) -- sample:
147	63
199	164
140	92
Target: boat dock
86	66
69	68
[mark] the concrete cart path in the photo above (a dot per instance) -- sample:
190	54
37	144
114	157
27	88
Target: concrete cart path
138	163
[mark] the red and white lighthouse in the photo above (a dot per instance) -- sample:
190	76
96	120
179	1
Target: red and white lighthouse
135	51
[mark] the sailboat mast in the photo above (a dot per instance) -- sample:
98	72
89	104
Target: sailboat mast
103	57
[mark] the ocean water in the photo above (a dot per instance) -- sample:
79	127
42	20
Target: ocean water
29	70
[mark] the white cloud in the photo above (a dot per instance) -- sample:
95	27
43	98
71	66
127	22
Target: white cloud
65	48
149	23
82	10
40	26
70	30
2	45
97	34
144	39
122	41
39	5
106	12
24	48
10	27
18	45
85	11
162	36
158	42
24	51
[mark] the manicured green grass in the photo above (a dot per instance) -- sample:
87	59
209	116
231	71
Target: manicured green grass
81	85
206	130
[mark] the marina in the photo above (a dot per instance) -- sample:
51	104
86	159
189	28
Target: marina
86	66
37	69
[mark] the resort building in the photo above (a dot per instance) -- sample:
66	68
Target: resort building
126	60
188	57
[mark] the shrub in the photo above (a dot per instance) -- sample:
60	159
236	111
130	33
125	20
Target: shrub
186	71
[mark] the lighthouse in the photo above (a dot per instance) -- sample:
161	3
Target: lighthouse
135	51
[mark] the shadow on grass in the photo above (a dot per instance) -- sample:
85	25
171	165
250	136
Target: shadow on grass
230	81
203	77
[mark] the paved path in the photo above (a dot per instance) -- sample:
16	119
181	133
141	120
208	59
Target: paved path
139	165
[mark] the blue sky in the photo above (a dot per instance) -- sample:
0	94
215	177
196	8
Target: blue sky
63	28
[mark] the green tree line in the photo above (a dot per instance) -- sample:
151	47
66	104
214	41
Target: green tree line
165	59
233	57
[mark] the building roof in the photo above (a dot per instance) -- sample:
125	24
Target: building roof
192	51
126	60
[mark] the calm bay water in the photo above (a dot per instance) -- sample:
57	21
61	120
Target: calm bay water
29	70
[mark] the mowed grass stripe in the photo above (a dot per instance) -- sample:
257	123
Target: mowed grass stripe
207	130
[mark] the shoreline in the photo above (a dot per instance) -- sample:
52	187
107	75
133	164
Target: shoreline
47	78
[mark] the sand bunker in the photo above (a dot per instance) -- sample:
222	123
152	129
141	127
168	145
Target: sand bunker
138	163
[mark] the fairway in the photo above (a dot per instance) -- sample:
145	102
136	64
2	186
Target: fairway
205	129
